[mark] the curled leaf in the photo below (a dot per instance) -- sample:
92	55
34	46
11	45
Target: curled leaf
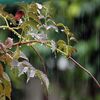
27	68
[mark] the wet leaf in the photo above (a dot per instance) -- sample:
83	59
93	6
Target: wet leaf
43	78
39	36
27	68
53	46
39	6
30	73
51	27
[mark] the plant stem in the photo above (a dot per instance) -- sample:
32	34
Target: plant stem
46	43
80	66
28	42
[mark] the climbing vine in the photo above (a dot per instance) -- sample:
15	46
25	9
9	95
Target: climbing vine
30	24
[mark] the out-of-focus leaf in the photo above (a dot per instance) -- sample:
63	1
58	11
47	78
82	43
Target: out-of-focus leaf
6	58
23	56
34	17
2	46
8	16
5	87
16	53
40	36
1	7
27	24
60	42
22	70
53	46
30	73
9	43
73	39
34	8
14	63
27	68
1	70
51	27
39	6
43	78
69	50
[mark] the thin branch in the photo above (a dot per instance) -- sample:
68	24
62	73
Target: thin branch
46	43
3	26
15	32
28	42
5	19
80	66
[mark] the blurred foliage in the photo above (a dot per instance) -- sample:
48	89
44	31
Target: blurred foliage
83	18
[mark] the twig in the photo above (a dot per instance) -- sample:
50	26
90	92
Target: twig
5	20
80	66
45	43
28	42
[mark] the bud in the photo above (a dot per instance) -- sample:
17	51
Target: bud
19	15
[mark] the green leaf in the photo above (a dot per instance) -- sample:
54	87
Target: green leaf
28	24
34	17
16	53
69	50
5	87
